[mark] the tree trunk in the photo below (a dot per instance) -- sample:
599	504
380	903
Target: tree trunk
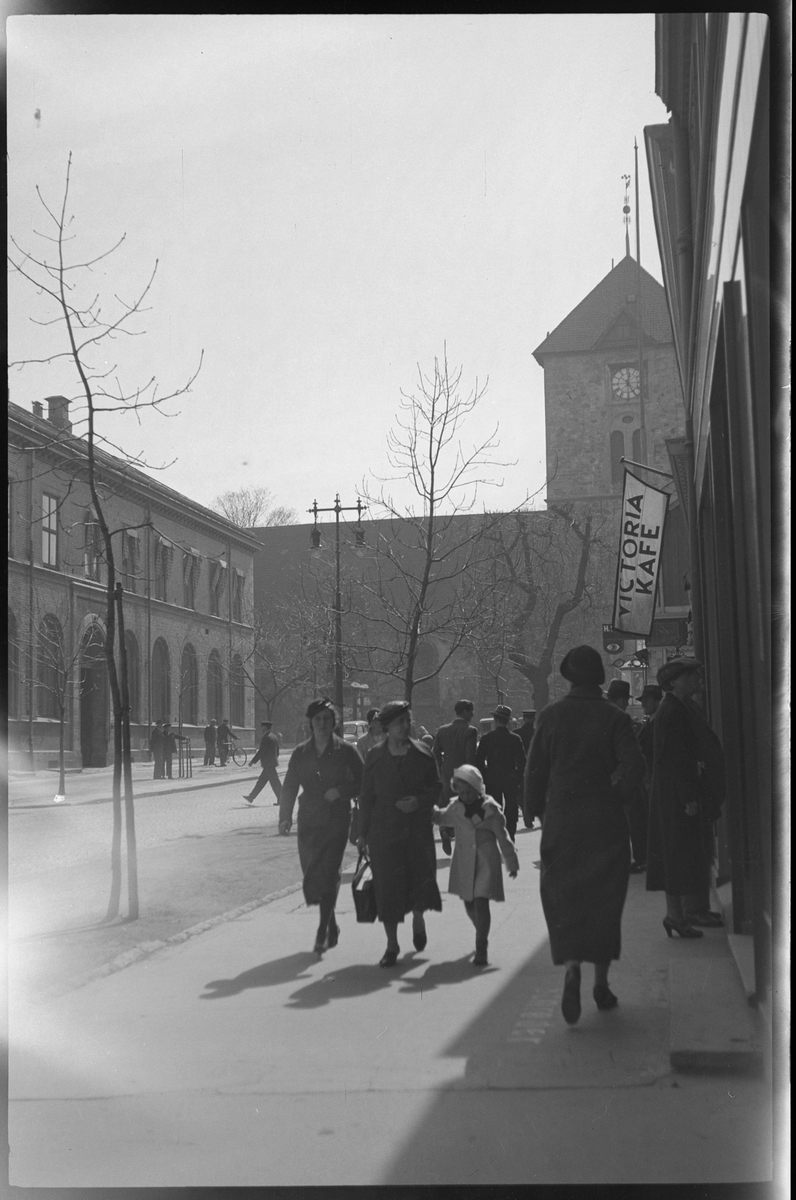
127	767
61	765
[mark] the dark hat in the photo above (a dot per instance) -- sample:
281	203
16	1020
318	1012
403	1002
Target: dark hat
502	712
319	705
529	712
583	666
675	667
651	689
372	712
391	710
619	688
267	723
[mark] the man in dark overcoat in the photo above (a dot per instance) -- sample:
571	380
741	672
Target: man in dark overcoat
224	739
268	756
210	743
454	745
156	748
525	731
500	758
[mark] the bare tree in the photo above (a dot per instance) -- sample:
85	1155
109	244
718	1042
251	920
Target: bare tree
60	283
250	506
424	581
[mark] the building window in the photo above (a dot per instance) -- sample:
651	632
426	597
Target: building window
218	579
13	666
190	573
49	530
160	572
133	675
189	686
237	596
129	571
161	681
215	687
92	547
238	692
617	454
50	675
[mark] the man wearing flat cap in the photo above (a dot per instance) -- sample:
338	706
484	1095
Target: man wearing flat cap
685	800
501	760
268	756
454	746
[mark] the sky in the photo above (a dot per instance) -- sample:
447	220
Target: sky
332	202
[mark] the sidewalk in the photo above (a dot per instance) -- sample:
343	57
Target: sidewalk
236	1057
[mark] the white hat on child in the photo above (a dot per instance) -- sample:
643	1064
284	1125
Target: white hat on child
471	775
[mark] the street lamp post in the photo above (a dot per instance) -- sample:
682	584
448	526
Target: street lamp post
315	538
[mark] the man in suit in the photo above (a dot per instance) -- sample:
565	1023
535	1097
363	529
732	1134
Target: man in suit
454	745
210	743
268	756
501	760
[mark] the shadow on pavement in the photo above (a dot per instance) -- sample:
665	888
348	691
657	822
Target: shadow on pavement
281	970
459	970
359	980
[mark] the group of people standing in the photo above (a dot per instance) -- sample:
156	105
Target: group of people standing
163	741
597	781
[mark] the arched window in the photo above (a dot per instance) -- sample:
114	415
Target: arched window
50	692
13	666
238	690
215	687
189	686
161	681
133	675
617	453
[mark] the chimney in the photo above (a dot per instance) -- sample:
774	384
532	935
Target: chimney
58	409
38	409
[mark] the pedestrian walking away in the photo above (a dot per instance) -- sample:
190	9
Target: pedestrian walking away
501	758
688	781
268	756
525	731
476	873
224	739
156	749
399	790
584	763
210	733
328	774
454	745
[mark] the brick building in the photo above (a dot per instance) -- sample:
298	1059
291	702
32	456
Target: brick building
187	578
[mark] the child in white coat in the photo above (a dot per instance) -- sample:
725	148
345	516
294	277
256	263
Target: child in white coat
481	838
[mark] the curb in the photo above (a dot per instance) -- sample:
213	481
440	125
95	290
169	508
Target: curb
145	949
188	787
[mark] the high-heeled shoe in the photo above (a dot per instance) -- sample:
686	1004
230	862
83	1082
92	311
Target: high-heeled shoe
332	935
681	928
570	1001
319	948
419	935
389	958
604	997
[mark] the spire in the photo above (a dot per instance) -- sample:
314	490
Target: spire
626	218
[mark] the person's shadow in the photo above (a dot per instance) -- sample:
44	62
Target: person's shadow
458	970
358	980
281	970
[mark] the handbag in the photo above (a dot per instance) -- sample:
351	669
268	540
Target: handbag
364	891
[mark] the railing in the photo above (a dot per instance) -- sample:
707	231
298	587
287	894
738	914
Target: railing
185	759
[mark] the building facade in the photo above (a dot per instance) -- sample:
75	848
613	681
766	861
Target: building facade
187	584
710	174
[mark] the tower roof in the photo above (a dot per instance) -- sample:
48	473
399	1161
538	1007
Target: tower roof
589	322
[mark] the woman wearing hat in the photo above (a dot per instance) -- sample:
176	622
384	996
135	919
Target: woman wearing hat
329	773
685	799
399	790
583	764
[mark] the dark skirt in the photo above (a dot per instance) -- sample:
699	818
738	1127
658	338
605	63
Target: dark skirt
585	853
404	867
321	853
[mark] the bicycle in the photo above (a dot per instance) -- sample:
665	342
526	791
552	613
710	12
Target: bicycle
236	753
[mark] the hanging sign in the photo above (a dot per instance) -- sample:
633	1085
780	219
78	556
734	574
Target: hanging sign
640	541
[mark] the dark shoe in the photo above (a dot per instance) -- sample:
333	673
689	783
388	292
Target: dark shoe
446	842
570	1001
681	928
708	920
637	868
419	936
250	799
480	959
319	948
604	997
332	935
389	958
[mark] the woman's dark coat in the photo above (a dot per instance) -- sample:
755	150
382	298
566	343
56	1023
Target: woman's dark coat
584	762
401	845
687	767
322	824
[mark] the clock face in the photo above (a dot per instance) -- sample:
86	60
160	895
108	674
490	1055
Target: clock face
625	383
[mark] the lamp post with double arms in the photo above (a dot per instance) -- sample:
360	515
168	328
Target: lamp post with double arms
315	542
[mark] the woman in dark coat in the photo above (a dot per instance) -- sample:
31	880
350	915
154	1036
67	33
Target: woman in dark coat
685	799
329	773
400	787
584	762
